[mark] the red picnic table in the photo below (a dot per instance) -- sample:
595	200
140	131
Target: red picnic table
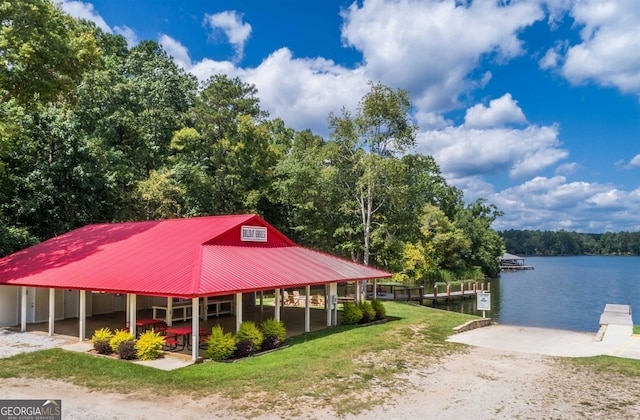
180	332
145	323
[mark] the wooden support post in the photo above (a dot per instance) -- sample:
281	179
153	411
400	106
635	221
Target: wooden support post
421	295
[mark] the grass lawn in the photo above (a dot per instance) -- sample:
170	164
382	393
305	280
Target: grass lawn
335	365
328	364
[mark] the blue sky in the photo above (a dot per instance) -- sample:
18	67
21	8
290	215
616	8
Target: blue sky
533	105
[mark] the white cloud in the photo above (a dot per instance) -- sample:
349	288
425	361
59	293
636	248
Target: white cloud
461	151
303	91
567	168
230	23
553	203
633	163
430	47
610	33
549	60
81	10
128	34
175	49
499	112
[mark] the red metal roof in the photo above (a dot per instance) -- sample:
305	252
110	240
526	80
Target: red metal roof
201	256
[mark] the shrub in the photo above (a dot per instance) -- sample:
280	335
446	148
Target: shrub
100	340
351	313
127	350
149	346
271	342
381	311
119	337
220	345
243	349
368	314
248	331
274	333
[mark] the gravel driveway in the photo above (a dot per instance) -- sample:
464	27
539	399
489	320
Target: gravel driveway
15	342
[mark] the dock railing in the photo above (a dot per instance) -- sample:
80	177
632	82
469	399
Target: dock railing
409	293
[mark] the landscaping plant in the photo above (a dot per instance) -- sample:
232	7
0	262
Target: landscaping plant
149	346
101	339
248	331
351	313
381	311
243	349
274	333
119	337
368	313
127	350
220	345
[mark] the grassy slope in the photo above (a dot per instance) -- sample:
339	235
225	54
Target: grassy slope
336	364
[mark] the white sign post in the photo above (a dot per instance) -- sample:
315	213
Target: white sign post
484	302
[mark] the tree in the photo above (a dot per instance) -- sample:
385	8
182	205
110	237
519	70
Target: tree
43	51
486	245
131	106
369	141
55	180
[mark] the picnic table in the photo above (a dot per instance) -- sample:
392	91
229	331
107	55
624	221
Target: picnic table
145	324
181	332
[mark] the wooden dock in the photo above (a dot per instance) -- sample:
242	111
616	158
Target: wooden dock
416	294
516	267
449	294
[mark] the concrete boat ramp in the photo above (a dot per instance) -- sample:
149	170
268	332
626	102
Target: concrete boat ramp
615	338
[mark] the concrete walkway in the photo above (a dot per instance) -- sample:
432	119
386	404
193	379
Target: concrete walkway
169	361
615	338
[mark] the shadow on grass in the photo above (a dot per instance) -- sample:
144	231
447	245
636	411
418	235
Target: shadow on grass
330	331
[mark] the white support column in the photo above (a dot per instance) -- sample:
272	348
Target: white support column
195	328
277	303
238	303
132	314
82	316
52	310
327	303
261	300
333	292
23	310
307	312
375	289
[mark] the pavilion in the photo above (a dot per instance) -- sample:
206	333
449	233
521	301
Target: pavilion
189	268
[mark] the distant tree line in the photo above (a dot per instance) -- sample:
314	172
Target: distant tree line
548	243
92	130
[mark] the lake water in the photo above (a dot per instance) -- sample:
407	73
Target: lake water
562	292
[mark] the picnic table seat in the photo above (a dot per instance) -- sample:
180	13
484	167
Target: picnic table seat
171	343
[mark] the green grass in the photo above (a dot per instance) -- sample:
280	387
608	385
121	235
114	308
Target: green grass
636	329
610	365
336	364
328	364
